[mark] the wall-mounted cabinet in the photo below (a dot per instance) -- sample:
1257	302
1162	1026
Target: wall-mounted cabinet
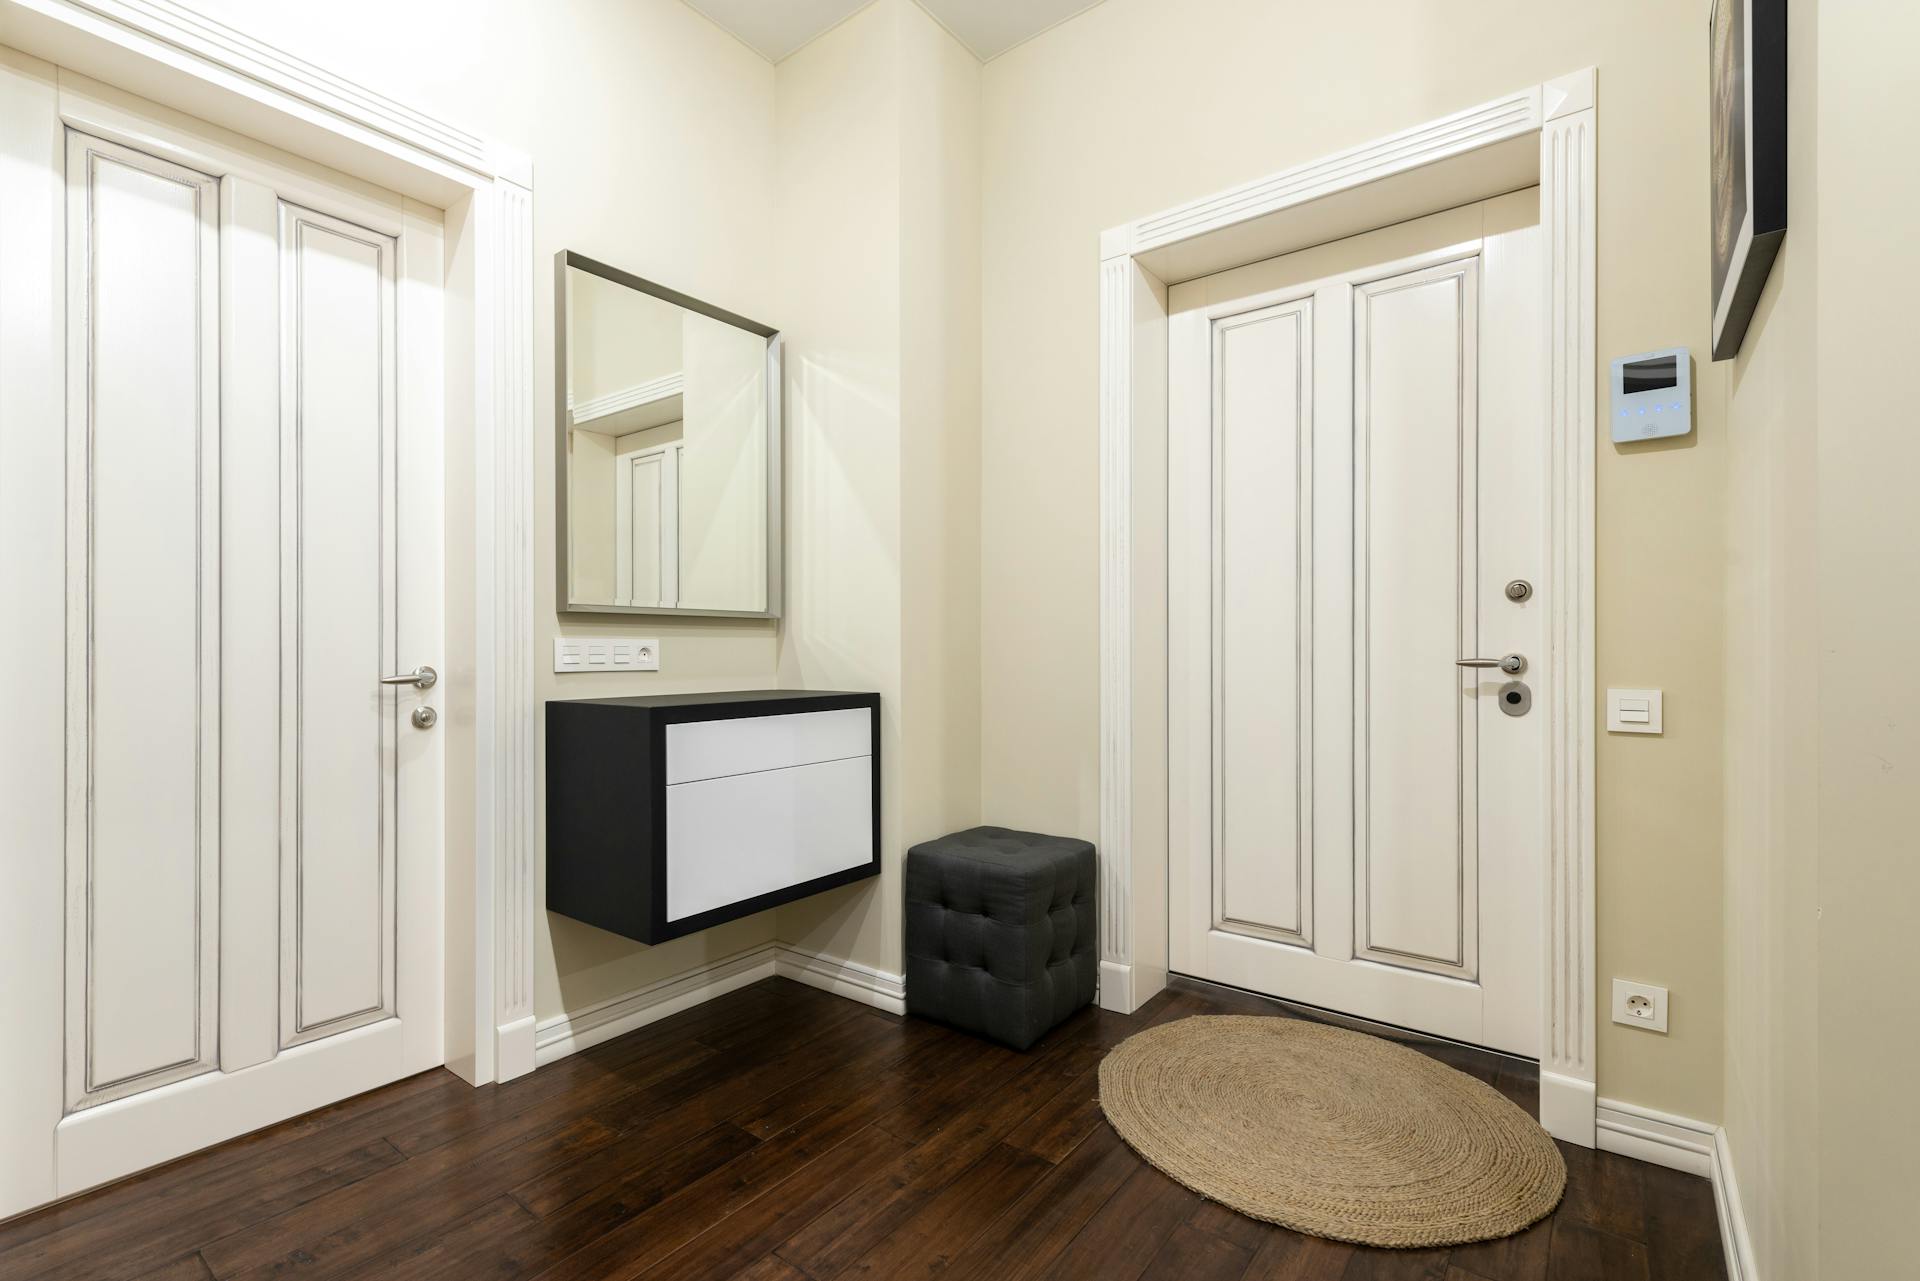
671	813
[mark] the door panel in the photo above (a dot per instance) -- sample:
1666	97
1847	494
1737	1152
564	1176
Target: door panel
1359	827
1415	811
230	884
143	637
641	563
337	720
1263	780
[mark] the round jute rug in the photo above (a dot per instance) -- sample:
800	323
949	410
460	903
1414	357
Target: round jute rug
1330	1132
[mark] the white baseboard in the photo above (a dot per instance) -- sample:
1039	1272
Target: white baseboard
569	1033
1734	1236
514	1052
1566	1108
1677	1142
1682	1143
1115	991
1124	988
850	979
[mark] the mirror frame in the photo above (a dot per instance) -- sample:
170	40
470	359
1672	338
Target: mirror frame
776	479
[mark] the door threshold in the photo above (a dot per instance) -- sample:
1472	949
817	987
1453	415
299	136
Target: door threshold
1354	1022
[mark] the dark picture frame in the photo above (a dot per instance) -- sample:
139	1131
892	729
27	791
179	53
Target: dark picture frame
1747	60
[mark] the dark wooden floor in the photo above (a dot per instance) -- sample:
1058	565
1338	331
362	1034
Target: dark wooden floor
781	1134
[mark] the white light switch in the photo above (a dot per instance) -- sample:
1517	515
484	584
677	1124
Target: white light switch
606	654
1633	711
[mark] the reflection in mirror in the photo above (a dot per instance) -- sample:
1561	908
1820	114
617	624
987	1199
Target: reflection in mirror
669	450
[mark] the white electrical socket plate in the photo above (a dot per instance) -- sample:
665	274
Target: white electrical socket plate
1640	1005
606	654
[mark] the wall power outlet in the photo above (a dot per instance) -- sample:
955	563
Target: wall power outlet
1640	1005
605	654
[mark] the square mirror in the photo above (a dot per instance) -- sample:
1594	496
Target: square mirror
668	466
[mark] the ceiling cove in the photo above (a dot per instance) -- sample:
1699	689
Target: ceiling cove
776	28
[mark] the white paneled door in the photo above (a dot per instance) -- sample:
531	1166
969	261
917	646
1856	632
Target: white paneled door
1356	475
226	826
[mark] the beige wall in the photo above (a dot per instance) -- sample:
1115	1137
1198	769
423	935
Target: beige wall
1823	731
663	146
940	406
1772	740
879	193
1867	462
651	133
723	467
838	227
1141	104
617	337
590	516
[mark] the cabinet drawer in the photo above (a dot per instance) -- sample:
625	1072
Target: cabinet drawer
748	744
735	838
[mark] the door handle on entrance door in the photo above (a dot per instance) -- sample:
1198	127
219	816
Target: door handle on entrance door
423	677
1511	664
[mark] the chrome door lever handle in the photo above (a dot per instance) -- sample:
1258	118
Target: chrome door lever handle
423	677
1511	664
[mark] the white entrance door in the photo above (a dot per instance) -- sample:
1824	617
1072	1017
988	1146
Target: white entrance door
1356	467
646	507
226	826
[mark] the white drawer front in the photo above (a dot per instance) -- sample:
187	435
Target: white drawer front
715	749
729	839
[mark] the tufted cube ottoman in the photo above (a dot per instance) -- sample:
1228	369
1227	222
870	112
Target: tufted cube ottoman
1000	931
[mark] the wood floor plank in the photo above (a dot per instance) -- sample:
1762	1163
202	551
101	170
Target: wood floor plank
155	1228
1584	1253
771	1268
189	1267
1605	1191
1368	1264
1032	1232
910	1056
1117	1243
197	1185
473	1249
1521	1257
633	1246
1211	1216
405	1203
1289	1256
1683	1227
926	1242
685	1104
976	1120
591	1082
755	1231
1064	1123
852	1227
590	1234
783	1134
797	1014
1195	1254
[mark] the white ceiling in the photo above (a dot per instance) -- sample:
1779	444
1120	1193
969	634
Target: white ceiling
776	28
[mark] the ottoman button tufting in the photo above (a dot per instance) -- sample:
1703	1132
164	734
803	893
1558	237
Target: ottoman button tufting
1028	929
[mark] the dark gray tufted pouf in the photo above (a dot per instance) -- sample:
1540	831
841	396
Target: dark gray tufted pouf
1000	931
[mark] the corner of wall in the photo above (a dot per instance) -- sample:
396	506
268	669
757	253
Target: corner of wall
878	198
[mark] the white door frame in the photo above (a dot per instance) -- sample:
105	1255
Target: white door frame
1543	134
167	53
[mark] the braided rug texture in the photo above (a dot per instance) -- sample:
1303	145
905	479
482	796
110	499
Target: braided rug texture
1329	1132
